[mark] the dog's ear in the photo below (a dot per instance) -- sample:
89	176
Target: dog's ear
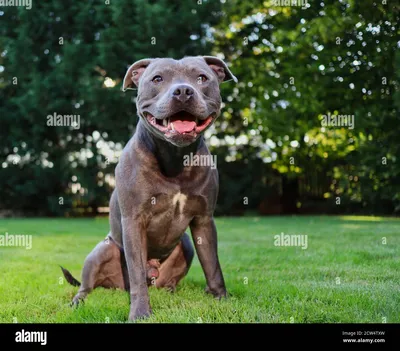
220	68
134	73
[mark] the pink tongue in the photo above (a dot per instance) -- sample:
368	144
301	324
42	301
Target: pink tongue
184	126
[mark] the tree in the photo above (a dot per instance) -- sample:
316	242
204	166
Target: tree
296	66
69	58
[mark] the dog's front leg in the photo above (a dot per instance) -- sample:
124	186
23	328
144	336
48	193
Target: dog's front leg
135	248
205	238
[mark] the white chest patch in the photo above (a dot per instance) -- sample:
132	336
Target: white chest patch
180	199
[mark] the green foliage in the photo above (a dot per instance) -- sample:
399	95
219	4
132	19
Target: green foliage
295	66
62	53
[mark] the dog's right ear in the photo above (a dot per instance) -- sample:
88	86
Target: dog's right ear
134	73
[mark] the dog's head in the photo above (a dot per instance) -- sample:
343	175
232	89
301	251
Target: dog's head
178	99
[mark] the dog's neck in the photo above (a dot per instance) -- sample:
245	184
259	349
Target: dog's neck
170	157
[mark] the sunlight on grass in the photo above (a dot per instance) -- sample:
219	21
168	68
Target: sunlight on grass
367	218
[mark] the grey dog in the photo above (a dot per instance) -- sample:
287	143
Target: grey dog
157	196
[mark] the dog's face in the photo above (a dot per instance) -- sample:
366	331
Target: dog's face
178	99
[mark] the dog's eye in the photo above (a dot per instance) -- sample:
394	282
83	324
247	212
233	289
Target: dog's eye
157	79
201	79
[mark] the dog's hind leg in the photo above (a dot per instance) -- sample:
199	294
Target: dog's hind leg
176	266
102	267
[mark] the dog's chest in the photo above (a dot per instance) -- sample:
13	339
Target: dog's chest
170	214
177	206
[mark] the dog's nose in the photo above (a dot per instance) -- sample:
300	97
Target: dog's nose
182	92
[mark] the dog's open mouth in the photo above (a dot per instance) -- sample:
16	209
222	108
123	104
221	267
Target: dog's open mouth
180	123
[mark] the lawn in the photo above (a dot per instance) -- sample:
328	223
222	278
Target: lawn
346	274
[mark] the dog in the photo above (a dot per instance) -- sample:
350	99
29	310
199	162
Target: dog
157	197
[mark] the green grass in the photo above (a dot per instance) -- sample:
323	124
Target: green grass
284	284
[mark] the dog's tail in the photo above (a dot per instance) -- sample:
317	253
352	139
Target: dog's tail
69	278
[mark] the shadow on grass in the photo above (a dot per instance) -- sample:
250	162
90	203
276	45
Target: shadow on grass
199	286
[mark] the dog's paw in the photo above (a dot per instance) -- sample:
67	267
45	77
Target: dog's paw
218	293
138	314
78	300
140	308
170	288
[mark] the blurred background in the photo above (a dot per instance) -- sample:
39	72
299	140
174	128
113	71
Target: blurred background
295	65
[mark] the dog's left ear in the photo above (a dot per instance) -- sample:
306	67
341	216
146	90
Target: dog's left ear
134	73
220	68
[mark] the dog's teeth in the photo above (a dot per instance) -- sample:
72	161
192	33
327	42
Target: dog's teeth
172	126
165	122
197	121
